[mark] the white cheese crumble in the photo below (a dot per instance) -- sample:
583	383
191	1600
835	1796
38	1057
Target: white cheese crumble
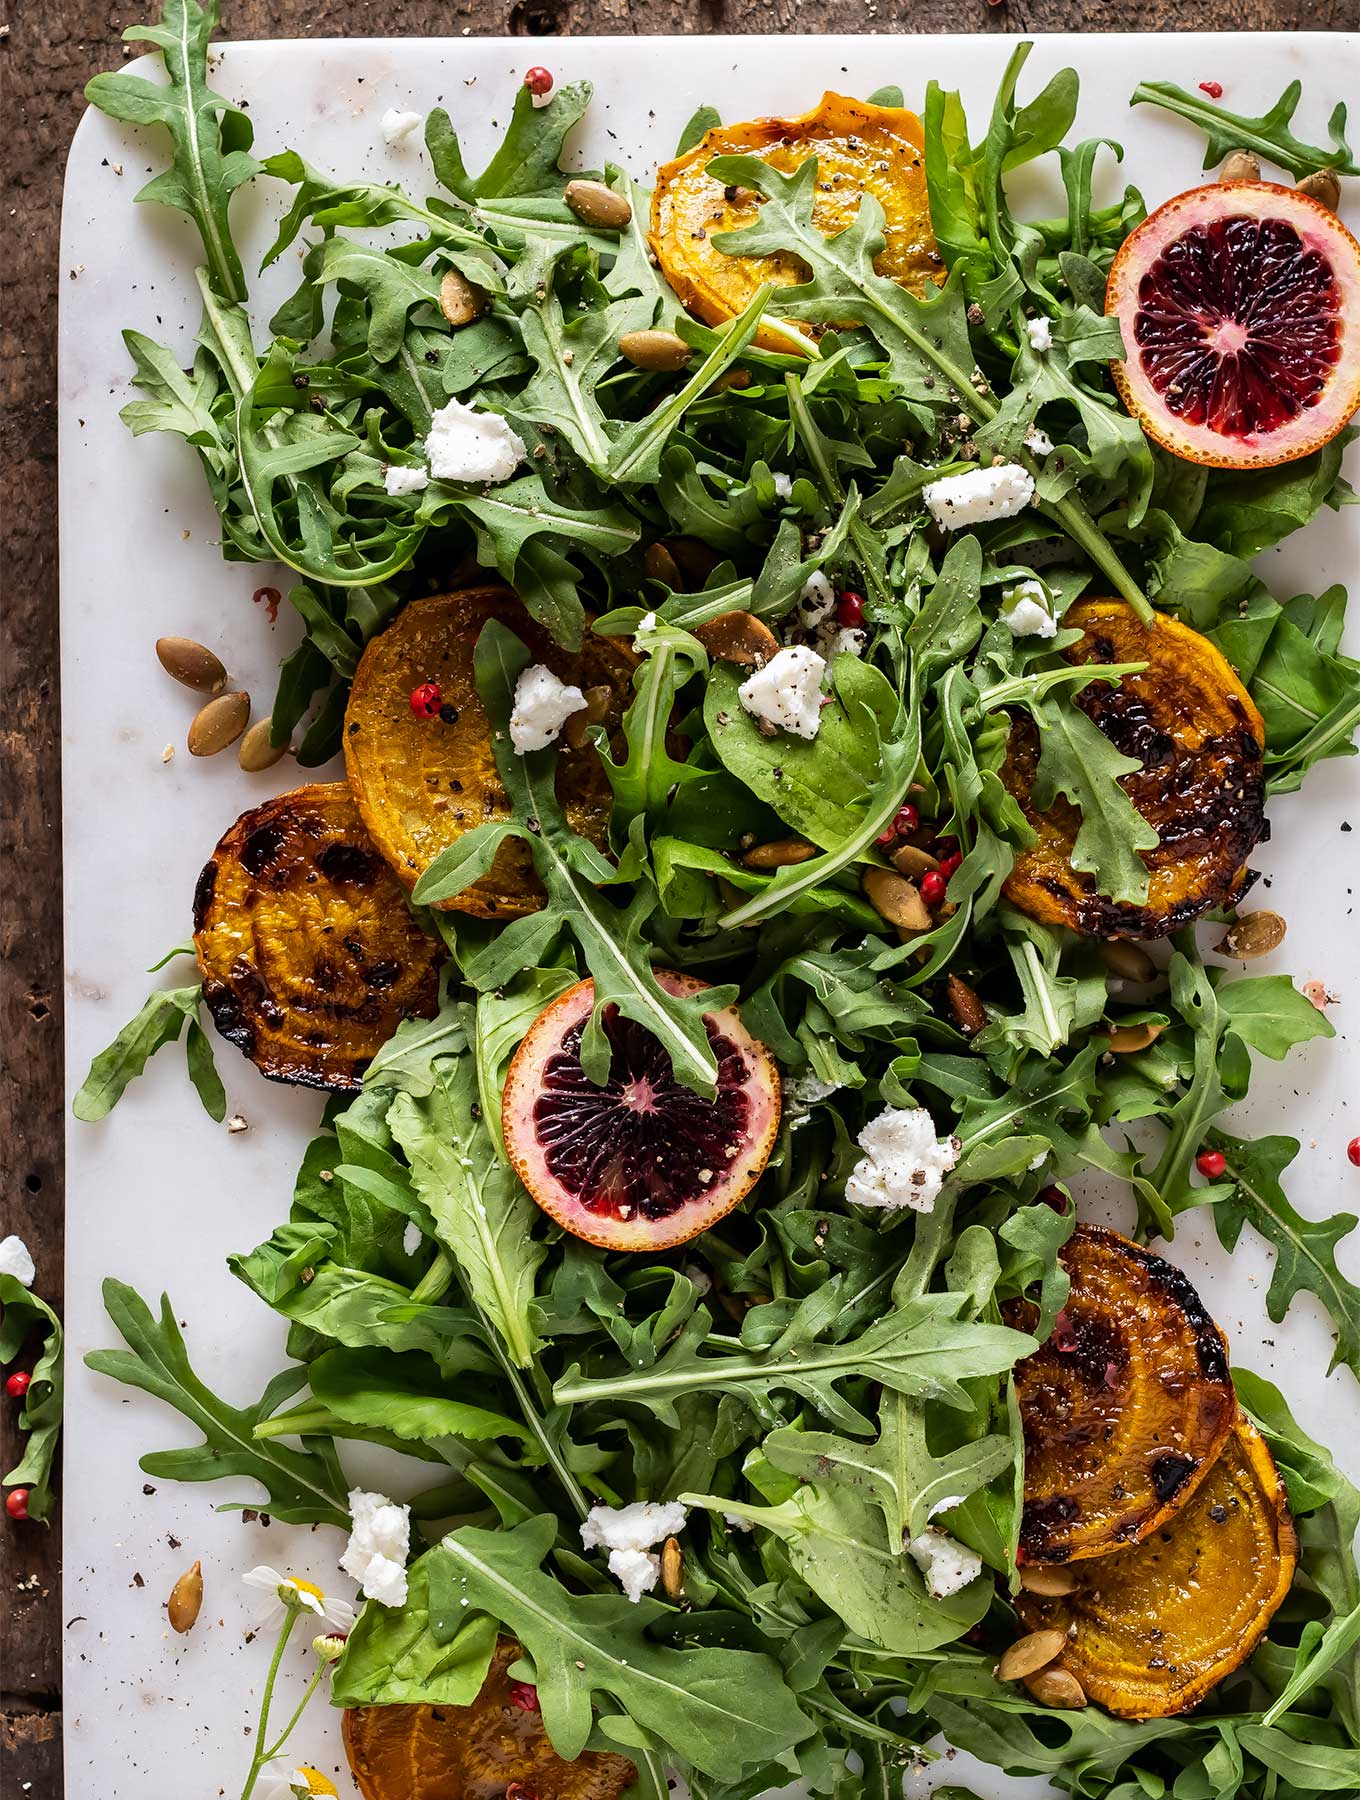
1038	441
700	1279
1040	334
734	1523
979	495
543	704
16	1261
412	1238
946	1564
379	1543
840	640
628	1533
464	445
787	691
1026	611
810	1090
783	485
398	126
400	478
816	600
646	625
904	1163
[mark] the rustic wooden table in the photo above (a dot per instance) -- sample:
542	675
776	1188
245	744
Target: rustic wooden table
47	53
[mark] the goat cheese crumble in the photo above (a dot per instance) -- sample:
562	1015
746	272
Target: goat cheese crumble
16	1261
816	600
412	1238
1026	611
783	485
397	126
979	495
628	1533
465	445
904	1163
543	704
788	691
840	640
946	1564
400	478
379	1543
1040	334
1038	441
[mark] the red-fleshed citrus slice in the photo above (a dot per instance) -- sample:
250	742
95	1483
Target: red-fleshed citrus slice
1240	308
641	1163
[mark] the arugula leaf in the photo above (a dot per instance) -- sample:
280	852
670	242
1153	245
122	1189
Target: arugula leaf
23	1312
727	1708
305	1487
1079	762
400	1394
1268	136
1305	1249
211	137
161	1021
1270	1015
392	1657
573	353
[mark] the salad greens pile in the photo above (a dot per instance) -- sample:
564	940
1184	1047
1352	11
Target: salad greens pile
811	1380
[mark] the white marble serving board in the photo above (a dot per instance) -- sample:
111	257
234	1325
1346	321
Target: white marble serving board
158	1194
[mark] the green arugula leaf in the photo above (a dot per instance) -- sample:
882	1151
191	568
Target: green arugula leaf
727	1708
392	1657
1270	1015
211	137
161	1021
1079	762
1268	136
305	1487
573	353
1305	1259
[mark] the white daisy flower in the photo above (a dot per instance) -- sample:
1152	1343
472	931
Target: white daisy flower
289	1784
292	1594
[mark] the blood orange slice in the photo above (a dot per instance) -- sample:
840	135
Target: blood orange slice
641	1163
1240	308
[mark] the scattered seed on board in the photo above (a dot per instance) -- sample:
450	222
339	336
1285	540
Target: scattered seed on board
256	752
459	301
192	665
1254	934
218	724
1050	1583
186	1597
597	205
662	351
1030	1653
1324	186
1240	165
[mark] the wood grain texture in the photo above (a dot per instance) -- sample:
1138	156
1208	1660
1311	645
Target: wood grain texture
47	53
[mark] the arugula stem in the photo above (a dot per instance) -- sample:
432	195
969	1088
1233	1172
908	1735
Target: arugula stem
434	1283
1070	512
832	490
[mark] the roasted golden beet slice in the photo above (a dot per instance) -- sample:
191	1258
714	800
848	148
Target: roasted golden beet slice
487	1751
420	783
1124	1408
1202	785
860	149
310	956
1152	1629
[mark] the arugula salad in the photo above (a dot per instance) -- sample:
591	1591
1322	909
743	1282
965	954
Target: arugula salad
807	708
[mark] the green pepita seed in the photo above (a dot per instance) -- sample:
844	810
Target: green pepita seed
192	665
256	752
218	724
597	205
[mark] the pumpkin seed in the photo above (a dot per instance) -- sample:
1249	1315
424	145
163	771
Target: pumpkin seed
256	752
910	859
781	853
459	301
1125	1039
661	566
662	351
192	665
897	900
695	559
1056	1687
1050	1583
1324	186
597	205
738	637
1254	934
969	1014
594	712
1027	1655
672	1569
1240	165
218	724
186	1597
1129	961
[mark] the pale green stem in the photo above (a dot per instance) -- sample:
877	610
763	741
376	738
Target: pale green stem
261	1755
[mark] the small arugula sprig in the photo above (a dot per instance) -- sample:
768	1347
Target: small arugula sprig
22	1314
1268	136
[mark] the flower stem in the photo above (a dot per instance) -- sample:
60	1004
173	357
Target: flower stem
261	1756
287	1731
